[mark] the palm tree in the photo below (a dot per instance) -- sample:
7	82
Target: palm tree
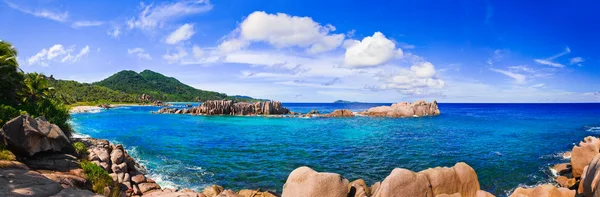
11	77
36	87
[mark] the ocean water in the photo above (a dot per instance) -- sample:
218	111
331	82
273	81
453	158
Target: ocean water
508	145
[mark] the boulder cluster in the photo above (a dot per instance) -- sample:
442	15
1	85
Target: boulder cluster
228	107
582	174
146	98
121	167
404	109
459	180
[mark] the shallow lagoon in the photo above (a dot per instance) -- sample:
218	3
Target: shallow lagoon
507	144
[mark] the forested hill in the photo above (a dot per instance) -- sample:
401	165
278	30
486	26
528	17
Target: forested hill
160	87
70	92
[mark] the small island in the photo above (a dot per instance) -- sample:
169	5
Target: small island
343	101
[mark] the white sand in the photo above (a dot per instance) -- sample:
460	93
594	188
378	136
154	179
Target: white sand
85	109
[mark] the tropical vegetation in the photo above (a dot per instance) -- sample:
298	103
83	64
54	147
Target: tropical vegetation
29	93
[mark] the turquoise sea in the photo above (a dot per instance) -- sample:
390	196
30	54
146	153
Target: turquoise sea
507	144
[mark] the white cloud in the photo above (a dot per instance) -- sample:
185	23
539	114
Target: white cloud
140	53
175	57
423	70
281	31
537	85
184	32
153	17
57	53
78	24
197	51
115	33
371	51
42	13
576	60
232	45
519	78
549	62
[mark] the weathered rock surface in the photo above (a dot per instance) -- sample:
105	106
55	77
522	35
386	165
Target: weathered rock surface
583	154
23	182
53	161
543	190
227	107
403	182
27	136
404	109
304	181
70	192
256	193
341	113
590	177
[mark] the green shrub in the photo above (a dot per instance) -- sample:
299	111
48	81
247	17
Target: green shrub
8	112
80	148
97	176
6	154
55	112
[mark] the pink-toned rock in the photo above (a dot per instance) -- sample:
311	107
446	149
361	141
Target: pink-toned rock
358	188
542	191
442	180
341	113
212	190
228	193
138	178
562	169
583	154
563	181
469	184
255	193
405	109
146	187
482	193
403	182
590	177
26	136
375	187
449	195
304	181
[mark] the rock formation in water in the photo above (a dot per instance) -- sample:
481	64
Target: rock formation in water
404	109
227	107
146	98
28	136
341	113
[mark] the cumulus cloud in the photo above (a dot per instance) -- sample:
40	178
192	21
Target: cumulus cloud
371	51
519	78
42	13
152	16
184	32
140	53
57	53
232	45
420	79
175	57
281	30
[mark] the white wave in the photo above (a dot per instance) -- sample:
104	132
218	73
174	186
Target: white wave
80	135
594	129
160	180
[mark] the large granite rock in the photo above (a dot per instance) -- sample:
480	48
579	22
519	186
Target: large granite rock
583	154
402	182
404	109
304	181
17	181
543	190
27	136
590	178
70	192
53	161
341	113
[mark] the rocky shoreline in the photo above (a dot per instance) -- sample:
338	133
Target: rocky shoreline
275	109
46	164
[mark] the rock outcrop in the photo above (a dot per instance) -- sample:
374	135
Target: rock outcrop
227	107
18	180
543	190
404	109
304	181
121	167
583	154
341	113
26	136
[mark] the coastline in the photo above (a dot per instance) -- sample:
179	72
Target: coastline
95	109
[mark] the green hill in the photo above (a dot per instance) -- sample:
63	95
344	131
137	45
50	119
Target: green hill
160	87
72	92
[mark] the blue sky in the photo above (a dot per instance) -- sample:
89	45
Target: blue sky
321	51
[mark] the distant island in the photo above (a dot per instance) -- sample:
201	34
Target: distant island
343	101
